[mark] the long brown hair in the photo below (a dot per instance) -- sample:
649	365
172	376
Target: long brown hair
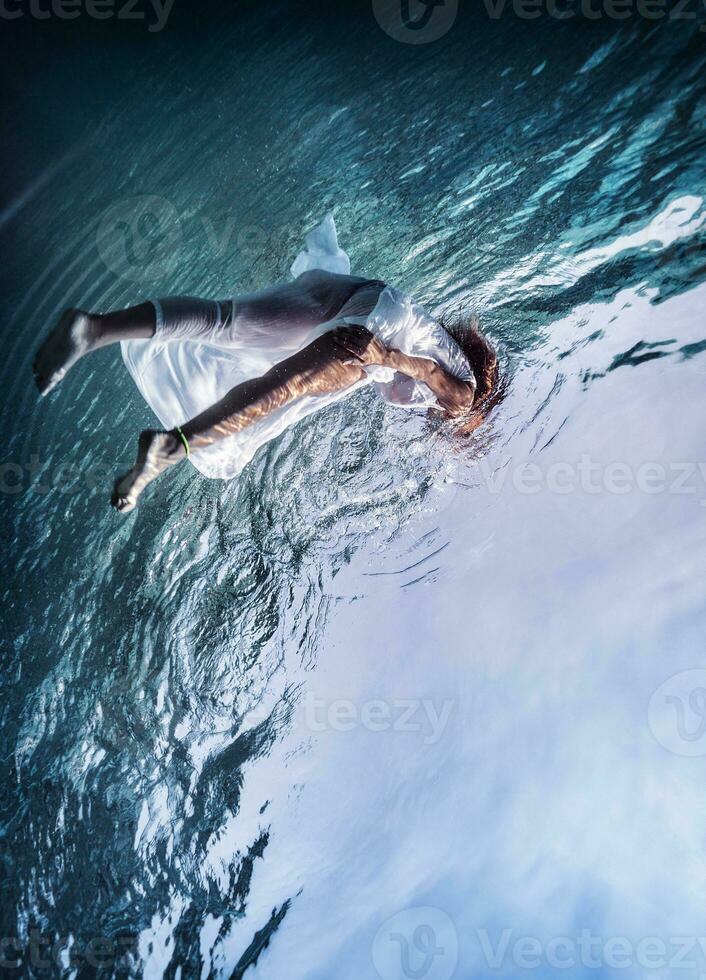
480	353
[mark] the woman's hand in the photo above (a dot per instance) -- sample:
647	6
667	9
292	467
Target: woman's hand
358	346
354	345
453	396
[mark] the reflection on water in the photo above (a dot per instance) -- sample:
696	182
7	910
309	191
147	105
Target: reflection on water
387	683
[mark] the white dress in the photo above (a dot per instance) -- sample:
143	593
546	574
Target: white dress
184	370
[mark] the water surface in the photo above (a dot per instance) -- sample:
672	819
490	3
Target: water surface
383	671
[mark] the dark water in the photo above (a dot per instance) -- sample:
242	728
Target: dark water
190	757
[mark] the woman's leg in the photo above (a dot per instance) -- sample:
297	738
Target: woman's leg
278	318
78	333
134	323
333	362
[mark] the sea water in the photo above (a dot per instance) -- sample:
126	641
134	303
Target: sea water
392	703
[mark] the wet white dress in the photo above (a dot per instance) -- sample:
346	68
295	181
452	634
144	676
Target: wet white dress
193	361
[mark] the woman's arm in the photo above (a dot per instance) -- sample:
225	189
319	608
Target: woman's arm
333	362
454	395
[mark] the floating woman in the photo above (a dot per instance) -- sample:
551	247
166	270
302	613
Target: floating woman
225	377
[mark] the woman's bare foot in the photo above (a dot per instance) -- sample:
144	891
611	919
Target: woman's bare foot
75	334
156	452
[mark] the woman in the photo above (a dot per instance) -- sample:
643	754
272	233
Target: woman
224	377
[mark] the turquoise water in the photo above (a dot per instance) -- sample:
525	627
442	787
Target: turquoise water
389	696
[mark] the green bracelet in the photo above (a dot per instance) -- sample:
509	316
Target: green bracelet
184	440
